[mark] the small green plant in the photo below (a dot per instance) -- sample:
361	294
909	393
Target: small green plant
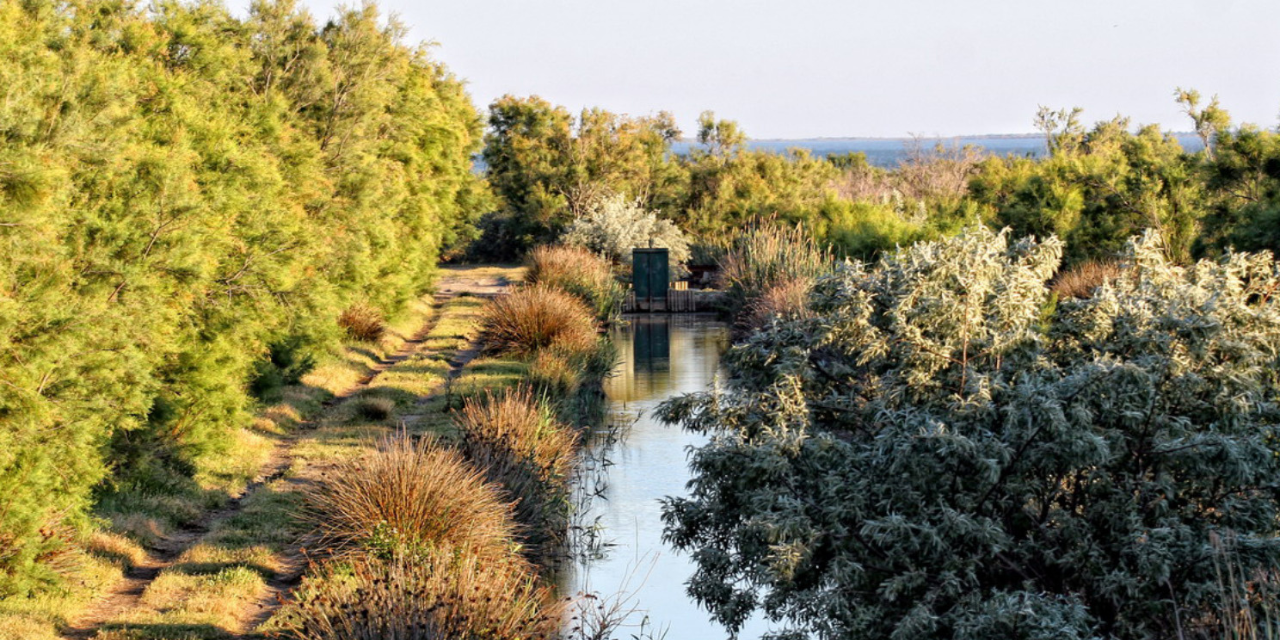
286	362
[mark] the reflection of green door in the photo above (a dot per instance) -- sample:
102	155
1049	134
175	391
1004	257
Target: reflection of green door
652	342
650	275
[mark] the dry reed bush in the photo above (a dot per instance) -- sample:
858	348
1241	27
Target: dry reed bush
767	256
787	299
516	440
363	323
555	373
1083	279
533	318
580	272
408	495
560	265
441	594
1250	600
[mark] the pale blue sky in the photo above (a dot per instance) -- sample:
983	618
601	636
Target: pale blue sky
810	68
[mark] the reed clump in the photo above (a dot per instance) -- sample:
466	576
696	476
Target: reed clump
363	323
515	438
555	373
1249	599
409	495
442	593
1083	279
537	317
580	272
786	299
770	255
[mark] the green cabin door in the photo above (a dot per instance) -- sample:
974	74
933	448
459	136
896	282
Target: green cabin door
650	273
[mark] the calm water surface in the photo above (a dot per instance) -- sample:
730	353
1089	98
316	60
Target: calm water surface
661	357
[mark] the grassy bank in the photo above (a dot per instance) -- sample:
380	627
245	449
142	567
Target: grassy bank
203	594
503	430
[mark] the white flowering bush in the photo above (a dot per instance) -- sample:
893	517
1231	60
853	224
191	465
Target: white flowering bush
940	452
614	225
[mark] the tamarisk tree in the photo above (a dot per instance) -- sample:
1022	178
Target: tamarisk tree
941	451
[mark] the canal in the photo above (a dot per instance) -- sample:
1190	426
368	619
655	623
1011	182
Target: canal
619	548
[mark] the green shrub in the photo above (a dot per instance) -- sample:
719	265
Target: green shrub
287	361
864	230
930	457
178	192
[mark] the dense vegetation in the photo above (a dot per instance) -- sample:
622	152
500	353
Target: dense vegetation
935	449
188	202
966	439
1098	187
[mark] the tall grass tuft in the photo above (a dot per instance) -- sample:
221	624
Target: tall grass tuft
409	495
1250	601
440	594
554	373
767	256
537	317
1081	280
785	299
363	323
515	438
580	272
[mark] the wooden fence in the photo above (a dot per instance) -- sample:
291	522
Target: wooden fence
676	301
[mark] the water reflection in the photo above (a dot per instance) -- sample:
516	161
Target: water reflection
660	357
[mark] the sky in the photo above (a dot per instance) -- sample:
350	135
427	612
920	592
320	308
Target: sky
860	68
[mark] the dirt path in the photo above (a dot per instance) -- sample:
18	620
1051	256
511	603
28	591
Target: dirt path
127	594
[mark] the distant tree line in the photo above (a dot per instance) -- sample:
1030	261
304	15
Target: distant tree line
1096	188
183	195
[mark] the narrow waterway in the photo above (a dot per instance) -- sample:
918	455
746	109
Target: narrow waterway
622	554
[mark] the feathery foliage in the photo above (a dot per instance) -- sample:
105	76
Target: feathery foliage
515	438
767	256
180	191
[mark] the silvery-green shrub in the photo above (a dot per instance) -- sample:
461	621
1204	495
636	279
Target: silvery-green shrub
944	451
613	225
